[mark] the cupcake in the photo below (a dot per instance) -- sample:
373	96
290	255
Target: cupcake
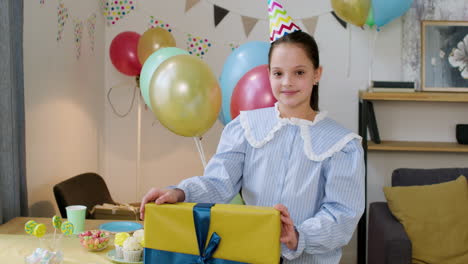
118	242
139	235
132	250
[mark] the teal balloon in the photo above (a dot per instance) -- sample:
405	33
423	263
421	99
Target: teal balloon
239	62
150	66
387	10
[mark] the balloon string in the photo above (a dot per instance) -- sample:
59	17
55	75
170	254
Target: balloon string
371	58
348	60
138	161
112	105
200	150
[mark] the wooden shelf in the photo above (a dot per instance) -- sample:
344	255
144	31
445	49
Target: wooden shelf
418	146
416	96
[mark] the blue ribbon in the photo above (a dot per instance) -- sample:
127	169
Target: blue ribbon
201	219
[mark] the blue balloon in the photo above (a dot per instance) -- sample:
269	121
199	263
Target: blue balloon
387	10
239	62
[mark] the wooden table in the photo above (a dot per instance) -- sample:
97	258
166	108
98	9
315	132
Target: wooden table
15	244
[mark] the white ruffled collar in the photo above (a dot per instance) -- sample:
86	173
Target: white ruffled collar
337	136
299	121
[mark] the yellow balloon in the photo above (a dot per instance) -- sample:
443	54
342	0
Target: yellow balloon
185	95
352	11
152	40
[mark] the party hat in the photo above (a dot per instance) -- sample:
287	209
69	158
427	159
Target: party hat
280	23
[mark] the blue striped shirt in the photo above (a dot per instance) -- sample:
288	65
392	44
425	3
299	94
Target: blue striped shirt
315	168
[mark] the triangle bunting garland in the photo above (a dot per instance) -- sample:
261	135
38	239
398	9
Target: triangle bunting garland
113	11
91	26
62	17
197	46
249	23
219	14
154	22
78	29
189	4
310	24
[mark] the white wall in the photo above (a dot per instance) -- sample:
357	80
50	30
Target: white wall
63	99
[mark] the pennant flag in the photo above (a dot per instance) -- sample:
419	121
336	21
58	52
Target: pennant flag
249	23
280	23
62	17
153	22
91	26
78	25
341	21
197	46
219	14
114	10
189	4
310	24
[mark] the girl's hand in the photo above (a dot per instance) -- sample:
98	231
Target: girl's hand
289	235
161	196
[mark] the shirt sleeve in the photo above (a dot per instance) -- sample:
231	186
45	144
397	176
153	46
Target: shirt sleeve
341	208
223	174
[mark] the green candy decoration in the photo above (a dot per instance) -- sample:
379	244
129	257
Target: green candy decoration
29	226
67	228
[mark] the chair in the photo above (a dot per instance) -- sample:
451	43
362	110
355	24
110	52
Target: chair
388	242
87	189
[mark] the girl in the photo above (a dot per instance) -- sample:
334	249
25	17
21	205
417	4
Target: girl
290	156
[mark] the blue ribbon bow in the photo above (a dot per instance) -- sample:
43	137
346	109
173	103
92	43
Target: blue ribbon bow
201	218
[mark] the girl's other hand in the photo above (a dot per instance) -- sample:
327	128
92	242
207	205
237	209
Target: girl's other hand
161	196
289	235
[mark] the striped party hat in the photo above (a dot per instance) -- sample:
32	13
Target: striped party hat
280	23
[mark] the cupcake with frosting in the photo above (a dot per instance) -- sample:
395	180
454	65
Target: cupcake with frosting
132	250
139	235
119	240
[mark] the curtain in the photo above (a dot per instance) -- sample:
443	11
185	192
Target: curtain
13	191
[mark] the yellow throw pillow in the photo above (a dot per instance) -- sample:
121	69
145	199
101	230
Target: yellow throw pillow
435	217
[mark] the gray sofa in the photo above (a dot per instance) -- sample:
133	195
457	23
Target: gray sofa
388	242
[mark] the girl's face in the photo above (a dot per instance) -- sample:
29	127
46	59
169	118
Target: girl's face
292	76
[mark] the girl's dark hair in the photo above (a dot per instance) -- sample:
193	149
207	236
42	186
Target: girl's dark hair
307	42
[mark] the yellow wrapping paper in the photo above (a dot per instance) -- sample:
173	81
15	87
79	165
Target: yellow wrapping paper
248	233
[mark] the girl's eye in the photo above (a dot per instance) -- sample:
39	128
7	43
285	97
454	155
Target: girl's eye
300	72
277	74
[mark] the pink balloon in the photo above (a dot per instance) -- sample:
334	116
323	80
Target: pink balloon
123	53
252	91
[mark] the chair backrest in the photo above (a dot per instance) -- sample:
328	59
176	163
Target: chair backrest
87	189
409	177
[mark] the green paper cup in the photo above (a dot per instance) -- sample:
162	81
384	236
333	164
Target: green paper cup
76	214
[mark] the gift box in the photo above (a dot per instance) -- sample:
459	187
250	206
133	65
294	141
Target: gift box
211	234
117	211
